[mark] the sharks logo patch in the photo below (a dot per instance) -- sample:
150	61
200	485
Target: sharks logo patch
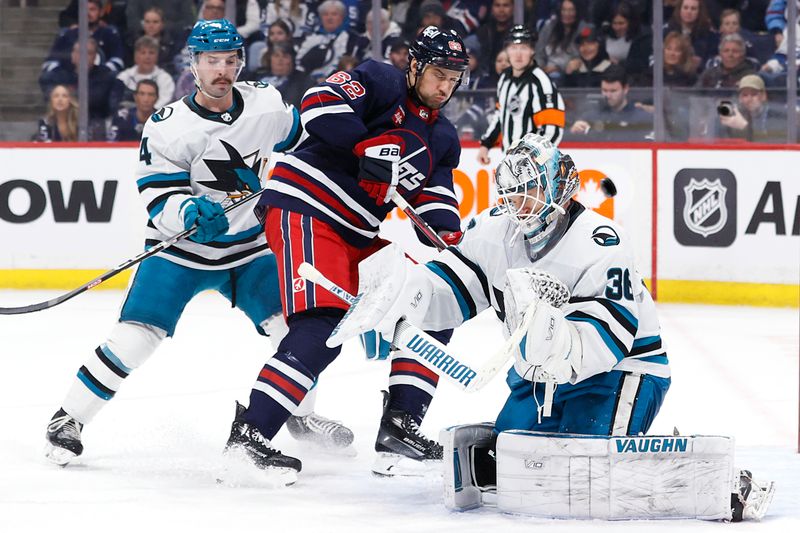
605	236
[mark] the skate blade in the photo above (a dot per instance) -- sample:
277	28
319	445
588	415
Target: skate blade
756	508
239	471
393	464
58	456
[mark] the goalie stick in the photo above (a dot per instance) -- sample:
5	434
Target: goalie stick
163	245
414	342
408	338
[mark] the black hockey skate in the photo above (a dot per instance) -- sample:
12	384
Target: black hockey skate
63	438
247	445
402	449
324	432
752	500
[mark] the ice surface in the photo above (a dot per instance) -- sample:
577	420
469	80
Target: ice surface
152	455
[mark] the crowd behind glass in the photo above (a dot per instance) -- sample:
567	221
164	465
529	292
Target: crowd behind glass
725	61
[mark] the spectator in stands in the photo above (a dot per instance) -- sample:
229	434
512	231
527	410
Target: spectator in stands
153	26
279	71
145	59
128	122
732	67
398	54
691	17
390	31
292	13
753	118
61	121
421	13
679	69
617	119
178	14
501	62
602	12
101	80
587	69
556	45
320	52
623	29
277	32
432	13
112	13
775	18
492	34
774	69
109	42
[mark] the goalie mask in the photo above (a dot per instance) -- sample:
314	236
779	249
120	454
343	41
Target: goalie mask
215	74
535	181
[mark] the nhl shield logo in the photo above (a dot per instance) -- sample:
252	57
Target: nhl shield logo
704	210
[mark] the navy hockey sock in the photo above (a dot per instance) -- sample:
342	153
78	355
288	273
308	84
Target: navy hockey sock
411	384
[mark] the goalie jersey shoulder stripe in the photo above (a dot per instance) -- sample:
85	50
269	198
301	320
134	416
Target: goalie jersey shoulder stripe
187	150
610	306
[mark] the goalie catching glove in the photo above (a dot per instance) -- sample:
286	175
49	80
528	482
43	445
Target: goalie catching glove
379	166
207	214
550	350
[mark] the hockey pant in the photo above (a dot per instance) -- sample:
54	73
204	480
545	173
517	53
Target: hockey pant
612	403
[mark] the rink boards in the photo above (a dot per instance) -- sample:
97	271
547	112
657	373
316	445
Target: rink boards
710	224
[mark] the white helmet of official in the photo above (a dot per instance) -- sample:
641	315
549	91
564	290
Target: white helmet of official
535	181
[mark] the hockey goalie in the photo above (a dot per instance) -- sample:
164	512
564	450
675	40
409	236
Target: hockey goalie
590	369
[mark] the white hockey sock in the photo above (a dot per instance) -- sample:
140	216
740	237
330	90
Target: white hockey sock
98	380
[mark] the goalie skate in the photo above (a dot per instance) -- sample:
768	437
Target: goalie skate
330	435
247	448
63	438
752	500
402	449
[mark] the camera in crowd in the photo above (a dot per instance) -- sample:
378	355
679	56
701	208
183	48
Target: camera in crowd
726	108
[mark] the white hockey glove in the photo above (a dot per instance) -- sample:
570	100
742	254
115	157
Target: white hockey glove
390	287
550	351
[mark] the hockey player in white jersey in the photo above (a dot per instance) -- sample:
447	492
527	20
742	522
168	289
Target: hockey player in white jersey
197	155
596	366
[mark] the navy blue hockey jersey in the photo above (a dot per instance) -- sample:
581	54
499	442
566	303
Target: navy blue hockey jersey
320	178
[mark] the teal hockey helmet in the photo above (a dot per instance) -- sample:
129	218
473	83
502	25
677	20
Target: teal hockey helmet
214	36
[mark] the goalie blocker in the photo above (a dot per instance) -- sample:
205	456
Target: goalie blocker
598	477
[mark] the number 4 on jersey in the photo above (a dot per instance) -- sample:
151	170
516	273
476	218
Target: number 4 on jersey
144	153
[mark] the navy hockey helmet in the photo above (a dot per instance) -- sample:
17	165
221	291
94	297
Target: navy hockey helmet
520	34
441	48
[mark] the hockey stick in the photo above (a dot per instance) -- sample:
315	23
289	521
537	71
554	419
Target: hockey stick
114	271
421	225
408	338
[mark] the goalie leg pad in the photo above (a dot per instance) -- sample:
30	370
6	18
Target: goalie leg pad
615	478
98	380
469	466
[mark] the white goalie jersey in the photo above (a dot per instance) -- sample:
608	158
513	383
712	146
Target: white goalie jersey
609	305
187	150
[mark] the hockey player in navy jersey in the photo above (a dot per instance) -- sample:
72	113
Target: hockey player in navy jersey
196	155
372	131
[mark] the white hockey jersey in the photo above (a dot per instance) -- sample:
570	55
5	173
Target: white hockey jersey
187	150
609	305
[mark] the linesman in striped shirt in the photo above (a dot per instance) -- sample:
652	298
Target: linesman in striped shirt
527	101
